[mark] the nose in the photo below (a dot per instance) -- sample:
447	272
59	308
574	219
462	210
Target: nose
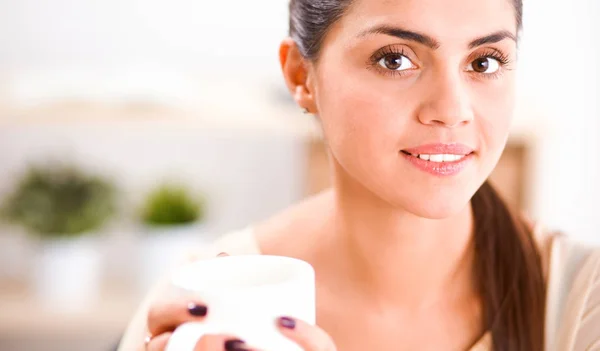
448	103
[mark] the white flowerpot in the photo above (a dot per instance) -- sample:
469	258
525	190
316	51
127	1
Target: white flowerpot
164	247
67	273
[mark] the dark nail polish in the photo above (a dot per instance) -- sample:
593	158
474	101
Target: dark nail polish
197	310
234	345
287	322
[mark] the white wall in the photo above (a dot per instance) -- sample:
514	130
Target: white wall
156	48
559	56
188	32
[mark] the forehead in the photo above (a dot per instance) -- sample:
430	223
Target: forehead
449	21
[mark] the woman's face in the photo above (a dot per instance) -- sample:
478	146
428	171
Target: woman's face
400	85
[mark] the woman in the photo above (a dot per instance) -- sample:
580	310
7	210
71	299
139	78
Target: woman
415	249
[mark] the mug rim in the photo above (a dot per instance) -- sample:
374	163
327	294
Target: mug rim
297	267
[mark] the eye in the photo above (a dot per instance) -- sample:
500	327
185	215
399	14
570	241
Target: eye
485	65
395	62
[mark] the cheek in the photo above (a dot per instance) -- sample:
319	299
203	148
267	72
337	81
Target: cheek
358	129
494	112
362	117
494	107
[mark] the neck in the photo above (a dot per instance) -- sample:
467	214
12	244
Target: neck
398	257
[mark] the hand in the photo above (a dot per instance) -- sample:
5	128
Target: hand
309	337
165	316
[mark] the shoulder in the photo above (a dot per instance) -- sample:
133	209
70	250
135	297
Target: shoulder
287	233
295	231
544	240
237	242
573	311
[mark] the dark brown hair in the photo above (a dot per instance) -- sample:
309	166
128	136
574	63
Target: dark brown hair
508	264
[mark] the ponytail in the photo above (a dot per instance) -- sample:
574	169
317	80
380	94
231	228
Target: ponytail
508	269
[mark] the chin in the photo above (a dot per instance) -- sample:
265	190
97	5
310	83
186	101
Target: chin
435	205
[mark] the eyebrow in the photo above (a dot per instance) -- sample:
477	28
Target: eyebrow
492	38
430	41
402	34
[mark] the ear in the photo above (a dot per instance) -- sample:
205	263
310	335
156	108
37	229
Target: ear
297	75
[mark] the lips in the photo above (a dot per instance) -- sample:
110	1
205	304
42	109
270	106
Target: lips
440	149
440	159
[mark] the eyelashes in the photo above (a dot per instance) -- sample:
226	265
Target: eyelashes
393	52
495	54
501	61
489	56
387	51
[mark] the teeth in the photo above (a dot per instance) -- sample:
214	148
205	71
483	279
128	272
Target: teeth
440	157
450	158
436	158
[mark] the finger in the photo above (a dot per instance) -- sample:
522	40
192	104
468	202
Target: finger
166	316
309	337
159	342
221	342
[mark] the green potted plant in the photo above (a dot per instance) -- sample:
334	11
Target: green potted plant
172	205
62	207
172	219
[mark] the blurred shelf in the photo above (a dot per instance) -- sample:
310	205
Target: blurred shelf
287	124
245	106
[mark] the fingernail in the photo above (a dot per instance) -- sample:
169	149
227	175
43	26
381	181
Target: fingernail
287	322
197	310
234	345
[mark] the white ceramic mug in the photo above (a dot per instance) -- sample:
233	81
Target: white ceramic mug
245	295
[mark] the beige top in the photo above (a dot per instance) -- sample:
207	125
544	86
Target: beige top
573	301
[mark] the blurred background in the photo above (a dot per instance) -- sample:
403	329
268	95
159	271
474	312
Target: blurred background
131	130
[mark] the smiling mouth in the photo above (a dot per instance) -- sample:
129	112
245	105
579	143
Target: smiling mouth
438	158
